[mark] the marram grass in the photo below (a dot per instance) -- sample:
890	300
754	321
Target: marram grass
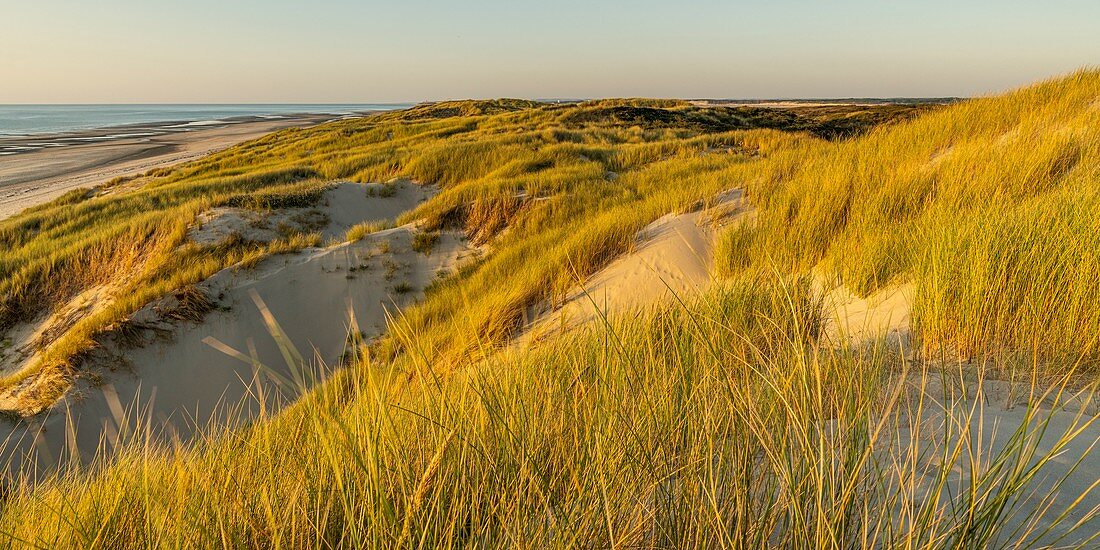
130	238
719	422
989	206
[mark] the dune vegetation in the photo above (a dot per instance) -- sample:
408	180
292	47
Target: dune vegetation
724	420
989	207
489	158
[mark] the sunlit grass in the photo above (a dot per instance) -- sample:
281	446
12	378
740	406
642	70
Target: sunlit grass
988	206
721	421
133	235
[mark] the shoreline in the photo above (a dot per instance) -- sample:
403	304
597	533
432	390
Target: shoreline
37	168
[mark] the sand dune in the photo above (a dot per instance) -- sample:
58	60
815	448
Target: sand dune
187	373
183	375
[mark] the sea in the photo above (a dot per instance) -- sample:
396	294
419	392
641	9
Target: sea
24	120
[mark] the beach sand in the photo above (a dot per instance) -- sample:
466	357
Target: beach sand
50	165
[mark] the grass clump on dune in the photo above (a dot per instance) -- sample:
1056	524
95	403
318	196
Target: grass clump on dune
360	230
424	241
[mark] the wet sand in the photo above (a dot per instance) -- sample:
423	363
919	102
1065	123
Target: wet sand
39	168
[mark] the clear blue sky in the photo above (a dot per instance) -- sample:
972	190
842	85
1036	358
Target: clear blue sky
65	51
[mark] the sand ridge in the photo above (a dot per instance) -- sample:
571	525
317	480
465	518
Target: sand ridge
342	206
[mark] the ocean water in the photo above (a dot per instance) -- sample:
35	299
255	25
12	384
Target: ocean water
21	120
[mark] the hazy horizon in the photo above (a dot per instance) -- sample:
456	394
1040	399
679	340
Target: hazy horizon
345	52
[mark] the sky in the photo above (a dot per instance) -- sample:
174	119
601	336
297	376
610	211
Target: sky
282	51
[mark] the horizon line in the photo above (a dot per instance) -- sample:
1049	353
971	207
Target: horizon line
540	100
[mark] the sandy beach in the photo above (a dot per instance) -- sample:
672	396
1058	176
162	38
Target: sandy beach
39	168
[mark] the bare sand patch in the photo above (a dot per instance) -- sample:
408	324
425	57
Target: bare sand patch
885	313
672	259
1045	437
